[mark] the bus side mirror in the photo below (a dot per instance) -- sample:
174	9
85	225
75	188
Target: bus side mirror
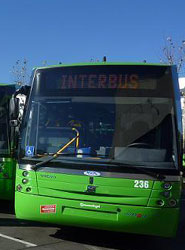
14	111
13	123
183	164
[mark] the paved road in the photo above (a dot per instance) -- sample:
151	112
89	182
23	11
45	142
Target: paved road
19	235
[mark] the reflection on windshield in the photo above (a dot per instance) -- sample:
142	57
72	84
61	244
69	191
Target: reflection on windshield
120	128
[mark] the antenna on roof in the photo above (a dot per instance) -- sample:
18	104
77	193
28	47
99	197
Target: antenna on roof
104	59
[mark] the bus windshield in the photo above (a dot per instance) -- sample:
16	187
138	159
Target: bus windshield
121	113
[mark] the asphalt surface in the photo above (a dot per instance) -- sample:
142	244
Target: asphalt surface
19	235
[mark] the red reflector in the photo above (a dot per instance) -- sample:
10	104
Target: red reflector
48	209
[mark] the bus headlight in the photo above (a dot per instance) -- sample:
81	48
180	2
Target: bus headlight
19	187
172	203
28	189
166	194
24	181
25	173
167	185
160	203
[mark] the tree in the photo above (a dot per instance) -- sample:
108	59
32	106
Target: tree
174	53
20	72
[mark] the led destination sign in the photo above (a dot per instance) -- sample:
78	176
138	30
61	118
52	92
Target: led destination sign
101	81
104	80
95	81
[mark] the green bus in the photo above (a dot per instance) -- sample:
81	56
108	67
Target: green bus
101	147
7	161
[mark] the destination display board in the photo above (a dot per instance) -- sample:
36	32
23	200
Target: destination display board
105	80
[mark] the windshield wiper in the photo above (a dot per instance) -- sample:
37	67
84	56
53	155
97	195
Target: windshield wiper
55	155
52	157
81	154
138	167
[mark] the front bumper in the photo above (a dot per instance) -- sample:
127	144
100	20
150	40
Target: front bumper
113	217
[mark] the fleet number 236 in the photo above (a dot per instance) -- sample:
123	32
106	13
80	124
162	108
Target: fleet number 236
141	184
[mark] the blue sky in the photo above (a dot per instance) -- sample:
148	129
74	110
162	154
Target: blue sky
71	31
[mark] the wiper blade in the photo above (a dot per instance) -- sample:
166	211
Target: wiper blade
138	167
55	155
52	157
83	154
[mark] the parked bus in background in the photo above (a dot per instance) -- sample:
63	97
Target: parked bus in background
101	147
7	161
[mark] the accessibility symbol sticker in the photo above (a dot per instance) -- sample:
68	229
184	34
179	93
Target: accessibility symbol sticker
30	150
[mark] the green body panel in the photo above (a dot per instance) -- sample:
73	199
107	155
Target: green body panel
120	191
7	178
115	201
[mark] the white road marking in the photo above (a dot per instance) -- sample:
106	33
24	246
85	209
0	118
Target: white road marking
27	244
93	247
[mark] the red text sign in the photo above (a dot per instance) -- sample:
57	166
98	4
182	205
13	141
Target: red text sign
95	81
47	209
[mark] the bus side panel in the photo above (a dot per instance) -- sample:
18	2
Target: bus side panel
7	179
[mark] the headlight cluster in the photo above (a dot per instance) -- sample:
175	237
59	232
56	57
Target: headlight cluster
167	194
24	181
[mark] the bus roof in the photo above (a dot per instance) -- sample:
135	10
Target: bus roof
7	84
101	63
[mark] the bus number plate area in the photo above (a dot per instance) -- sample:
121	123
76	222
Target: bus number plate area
141	184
